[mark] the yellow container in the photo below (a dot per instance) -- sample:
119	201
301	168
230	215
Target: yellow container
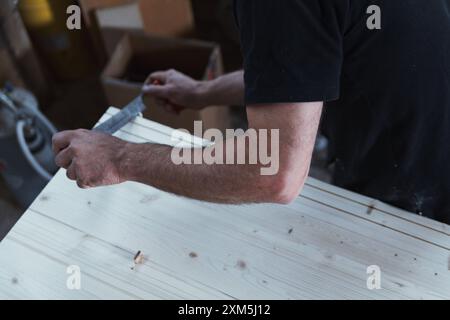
67	53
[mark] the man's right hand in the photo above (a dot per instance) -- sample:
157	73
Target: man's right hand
175	91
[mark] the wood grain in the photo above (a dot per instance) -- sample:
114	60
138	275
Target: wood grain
316	248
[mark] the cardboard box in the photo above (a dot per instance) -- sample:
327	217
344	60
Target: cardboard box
167	17
111	37
123	16
89	8
172	18
138	55
159	17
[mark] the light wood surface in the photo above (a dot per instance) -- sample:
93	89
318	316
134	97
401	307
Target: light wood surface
319	247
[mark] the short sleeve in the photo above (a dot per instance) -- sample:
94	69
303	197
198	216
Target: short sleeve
292	49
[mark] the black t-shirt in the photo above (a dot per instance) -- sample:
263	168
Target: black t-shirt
386	91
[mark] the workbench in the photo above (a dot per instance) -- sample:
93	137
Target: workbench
319	247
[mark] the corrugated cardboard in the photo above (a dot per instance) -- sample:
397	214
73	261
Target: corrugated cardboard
124	16
111	36
89	8
138	55
172	18
167	17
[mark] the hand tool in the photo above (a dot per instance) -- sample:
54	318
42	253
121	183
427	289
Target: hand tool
127	114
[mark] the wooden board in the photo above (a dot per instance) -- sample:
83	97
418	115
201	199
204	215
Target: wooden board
319	247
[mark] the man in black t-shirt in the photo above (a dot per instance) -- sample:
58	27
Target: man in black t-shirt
383	69
380	71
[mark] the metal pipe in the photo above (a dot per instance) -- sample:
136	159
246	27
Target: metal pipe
8	103
27	153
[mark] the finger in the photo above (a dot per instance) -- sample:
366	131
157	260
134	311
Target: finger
161	92
64	158
160	76
177	108
61	140
160	102
173	108
169	108
70	173
81	182
73	174
81	185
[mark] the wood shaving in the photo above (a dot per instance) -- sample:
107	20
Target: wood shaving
139	258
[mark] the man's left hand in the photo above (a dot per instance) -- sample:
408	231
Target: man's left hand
92	159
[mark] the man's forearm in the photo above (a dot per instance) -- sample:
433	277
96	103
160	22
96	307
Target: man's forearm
264	164
225	90
151	164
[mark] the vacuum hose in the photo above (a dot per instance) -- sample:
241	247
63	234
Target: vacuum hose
20	126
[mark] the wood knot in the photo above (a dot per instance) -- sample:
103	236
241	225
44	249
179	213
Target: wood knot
241	264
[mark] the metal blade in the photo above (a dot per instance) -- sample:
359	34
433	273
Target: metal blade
127	114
